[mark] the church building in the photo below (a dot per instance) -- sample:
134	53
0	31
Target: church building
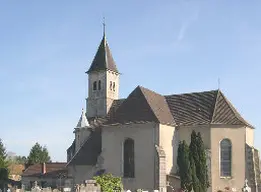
137	137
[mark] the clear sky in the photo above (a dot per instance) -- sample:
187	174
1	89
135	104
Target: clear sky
170	46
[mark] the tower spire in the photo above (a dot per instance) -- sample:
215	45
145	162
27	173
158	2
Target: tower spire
103	59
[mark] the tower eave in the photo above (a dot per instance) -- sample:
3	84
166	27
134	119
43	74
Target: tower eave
90	71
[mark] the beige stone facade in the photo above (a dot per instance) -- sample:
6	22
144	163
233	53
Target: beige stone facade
149	122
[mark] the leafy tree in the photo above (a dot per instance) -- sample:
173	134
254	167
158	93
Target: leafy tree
185	171
109	183
38	154
20	160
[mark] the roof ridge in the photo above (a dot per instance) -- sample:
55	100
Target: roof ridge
142	89
152	108
236	113
214	109
189	93
105	52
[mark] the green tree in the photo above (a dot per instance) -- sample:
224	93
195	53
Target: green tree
109	183
20	160
3	156
3	166
198	156
2	150
195	181
185	171
38	154
3	177
202	172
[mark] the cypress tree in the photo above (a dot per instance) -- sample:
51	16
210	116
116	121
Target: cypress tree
179	157
202	172
198	158
184	166
195	181
194	148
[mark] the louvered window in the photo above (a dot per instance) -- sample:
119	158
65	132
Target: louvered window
99	85
95	85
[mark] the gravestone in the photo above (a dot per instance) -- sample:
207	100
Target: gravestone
246	188
35	188
56	190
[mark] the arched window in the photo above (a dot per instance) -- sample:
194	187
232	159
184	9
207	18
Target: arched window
99	85
95	85
225	158
113	86
128	159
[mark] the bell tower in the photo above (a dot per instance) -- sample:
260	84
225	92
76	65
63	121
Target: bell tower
103	81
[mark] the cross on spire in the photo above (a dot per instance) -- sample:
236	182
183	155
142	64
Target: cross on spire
104	25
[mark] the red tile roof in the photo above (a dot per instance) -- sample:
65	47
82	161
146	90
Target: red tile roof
52	169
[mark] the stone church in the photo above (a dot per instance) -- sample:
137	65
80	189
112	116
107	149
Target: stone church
137	137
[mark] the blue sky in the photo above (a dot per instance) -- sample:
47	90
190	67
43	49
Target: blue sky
167	46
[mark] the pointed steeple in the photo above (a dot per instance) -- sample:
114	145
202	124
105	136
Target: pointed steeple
103	59
83	122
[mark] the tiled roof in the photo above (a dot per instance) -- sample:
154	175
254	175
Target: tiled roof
225	112
142	105
208	107
36	169
115	105
90	150
103	59
72	147
192	108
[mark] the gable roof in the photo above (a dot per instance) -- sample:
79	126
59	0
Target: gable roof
142	105
103	59
199	108
209	107
225	112
89	151
192	108
36	169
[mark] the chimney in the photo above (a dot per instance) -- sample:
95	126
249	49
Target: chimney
43	168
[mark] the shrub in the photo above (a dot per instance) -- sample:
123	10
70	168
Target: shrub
109	183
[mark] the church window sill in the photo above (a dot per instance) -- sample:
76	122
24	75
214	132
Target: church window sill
227	177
